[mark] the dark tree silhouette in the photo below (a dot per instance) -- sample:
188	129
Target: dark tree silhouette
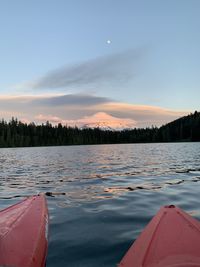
17	134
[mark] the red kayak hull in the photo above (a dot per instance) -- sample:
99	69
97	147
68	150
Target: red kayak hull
24	233
172	238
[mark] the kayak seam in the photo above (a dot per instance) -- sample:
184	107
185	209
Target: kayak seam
188	221
14	223
14	205
153	237
40	232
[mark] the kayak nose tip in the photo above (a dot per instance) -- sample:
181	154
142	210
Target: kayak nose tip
170	207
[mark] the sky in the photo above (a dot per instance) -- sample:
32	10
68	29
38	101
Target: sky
131	63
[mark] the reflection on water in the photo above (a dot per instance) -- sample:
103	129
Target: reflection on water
101	197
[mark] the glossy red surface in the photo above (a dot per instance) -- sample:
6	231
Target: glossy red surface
172	238
24	233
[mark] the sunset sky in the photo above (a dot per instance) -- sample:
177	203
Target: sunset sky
131	63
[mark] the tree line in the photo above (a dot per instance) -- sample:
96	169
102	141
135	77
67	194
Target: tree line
17	134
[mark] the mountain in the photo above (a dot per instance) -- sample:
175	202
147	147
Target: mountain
105	121
106	126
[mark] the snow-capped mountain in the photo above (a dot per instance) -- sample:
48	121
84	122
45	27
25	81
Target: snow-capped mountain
105	121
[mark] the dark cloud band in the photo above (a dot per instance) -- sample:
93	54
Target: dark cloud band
72	99
113	69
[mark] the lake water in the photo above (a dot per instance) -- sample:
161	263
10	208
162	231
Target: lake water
101	197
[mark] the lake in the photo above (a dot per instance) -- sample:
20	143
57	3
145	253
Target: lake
101	196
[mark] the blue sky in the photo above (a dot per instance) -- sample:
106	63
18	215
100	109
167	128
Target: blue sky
152	59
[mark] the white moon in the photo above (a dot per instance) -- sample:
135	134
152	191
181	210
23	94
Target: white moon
108	42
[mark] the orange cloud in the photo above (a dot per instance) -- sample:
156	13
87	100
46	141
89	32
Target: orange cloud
144	115
77	109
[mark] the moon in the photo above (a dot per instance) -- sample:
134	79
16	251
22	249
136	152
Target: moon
108	41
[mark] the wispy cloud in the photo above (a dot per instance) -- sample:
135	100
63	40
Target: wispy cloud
115	69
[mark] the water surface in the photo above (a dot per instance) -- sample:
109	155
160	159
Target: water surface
101	197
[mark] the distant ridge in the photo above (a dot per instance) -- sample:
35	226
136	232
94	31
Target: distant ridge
18	134
186	128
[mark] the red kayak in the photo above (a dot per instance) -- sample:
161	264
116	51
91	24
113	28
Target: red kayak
24	233
172	238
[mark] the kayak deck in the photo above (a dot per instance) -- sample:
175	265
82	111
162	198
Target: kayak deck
24	233
172	238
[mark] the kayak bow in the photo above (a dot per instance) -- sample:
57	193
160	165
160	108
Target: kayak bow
24	233
172	238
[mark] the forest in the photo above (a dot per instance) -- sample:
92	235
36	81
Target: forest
17	134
